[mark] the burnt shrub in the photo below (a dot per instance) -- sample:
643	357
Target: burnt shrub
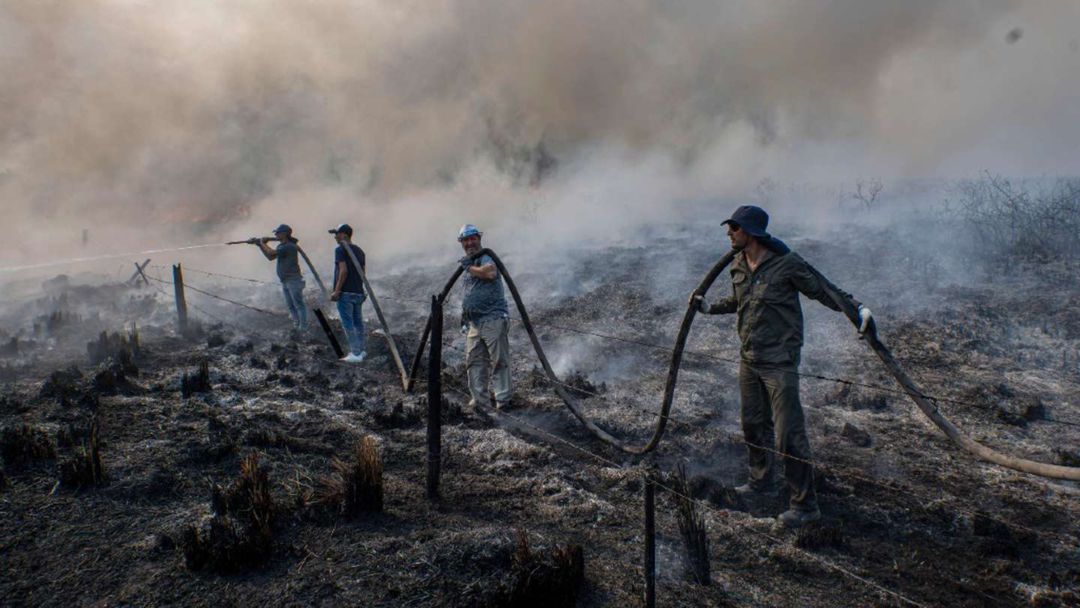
123	348
84	468
62	384
363	478
355	487
692	529
195	382
49	324
20	445
397	415
10	348
239	533
548	578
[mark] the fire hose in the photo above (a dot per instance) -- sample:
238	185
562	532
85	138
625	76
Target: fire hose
891	365
931	411
568	399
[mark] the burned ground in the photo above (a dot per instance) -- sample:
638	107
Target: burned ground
903	508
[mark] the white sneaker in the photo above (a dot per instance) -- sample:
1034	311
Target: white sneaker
352	358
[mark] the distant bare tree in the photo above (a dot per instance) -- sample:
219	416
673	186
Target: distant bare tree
867	192
1021	220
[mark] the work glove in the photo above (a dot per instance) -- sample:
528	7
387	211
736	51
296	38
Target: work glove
866	321
698	301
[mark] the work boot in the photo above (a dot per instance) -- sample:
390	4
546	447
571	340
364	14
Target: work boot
758	490
797	518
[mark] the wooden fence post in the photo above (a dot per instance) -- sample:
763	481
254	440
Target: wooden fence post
181	302
329	333
650	538
434	395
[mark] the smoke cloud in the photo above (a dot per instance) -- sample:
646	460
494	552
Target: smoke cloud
175	121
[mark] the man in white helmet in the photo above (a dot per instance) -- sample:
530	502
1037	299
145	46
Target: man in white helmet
485	315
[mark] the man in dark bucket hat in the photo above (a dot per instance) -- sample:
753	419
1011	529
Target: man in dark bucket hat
752	219
766	280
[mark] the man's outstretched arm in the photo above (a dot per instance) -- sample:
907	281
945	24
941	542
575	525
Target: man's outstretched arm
812	284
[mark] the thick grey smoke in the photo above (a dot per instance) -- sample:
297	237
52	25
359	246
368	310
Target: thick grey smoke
172	120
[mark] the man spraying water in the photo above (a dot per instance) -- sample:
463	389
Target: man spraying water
288	271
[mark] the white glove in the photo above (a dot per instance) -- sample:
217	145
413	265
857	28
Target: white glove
866	319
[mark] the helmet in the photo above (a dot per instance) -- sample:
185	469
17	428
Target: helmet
468	230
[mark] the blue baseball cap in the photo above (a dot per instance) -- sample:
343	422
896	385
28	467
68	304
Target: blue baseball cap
752	219
283	228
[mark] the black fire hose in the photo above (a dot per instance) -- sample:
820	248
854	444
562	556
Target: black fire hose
568	399
845	304
934	414
314	273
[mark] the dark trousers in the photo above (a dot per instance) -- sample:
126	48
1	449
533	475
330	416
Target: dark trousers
772	417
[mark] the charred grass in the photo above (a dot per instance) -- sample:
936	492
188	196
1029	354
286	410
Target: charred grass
331	509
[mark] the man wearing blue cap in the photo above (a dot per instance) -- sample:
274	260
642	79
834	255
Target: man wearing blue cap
485	315
288	271
349	291
766	280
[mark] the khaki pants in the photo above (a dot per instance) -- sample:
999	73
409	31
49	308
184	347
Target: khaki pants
772	417
487	348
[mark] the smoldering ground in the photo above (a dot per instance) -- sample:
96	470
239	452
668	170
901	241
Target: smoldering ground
902	506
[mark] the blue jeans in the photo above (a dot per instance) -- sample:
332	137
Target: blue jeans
352	319
293	289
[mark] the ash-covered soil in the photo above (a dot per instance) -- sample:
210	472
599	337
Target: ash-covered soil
904	510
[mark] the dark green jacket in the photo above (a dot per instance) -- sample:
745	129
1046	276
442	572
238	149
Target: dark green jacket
770	321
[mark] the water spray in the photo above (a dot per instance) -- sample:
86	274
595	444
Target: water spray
110	256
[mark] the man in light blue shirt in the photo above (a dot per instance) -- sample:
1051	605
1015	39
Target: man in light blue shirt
487	321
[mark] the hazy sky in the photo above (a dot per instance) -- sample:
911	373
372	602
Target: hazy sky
173	120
